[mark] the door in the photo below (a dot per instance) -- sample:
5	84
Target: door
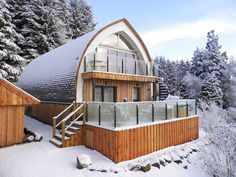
136	91
105	94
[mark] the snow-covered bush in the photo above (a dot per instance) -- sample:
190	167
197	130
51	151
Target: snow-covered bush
219	153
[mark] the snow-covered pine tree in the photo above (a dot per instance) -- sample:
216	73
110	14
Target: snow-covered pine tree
38	22
199	56
182	69
211	89
62	12
11	64
81	21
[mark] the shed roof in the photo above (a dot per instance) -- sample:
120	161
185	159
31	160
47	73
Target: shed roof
52	76
13	95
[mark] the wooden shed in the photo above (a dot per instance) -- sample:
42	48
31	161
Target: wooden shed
12	108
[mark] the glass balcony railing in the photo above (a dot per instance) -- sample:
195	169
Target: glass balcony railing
122	114
117	64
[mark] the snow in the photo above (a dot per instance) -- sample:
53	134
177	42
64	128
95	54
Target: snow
42	159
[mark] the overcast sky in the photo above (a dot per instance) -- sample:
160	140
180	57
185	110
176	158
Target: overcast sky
173	28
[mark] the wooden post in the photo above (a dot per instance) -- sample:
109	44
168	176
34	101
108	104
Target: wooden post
63	133
53	127
74	108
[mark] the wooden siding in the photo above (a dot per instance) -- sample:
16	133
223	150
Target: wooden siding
12	95
131	143
118	76
11	125
44	112
12	109
124	89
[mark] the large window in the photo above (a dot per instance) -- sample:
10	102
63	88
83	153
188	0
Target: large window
105	94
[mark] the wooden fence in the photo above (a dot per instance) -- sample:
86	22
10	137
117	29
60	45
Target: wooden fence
121	145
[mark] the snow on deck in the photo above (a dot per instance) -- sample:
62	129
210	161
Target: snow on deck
42	159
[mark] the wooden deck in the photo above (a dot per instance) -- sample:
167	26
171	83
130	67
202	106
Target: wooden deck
121	145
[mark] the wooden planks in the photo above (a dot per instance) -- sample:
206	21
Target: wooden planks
46	111
131	143
11	125
118	76
12	95
124	89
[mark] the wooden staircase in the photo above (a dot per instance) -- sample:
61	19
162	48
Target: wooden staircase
67	126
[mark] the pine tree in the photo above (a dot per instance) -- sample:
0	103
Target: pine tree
81	21
211	89
11	64
40	25
199	56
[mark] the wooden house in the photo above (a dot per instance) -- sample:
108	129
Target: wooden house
107	79
12	108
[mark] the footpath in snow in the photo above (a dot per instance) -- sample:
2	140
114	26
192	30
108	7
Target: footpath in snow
42	159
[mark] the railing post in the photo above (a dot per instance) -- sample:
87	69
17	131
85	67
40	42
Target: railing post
186	109
53	127
85	64
153	70
107	64
137	118
166	111
115	116
122	65
94	62
152	113
177	110
99	114
135	67
147	69
195	108
63	133
84	123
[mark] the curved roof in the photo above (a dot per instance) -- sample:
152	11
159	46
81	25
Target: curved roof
53	76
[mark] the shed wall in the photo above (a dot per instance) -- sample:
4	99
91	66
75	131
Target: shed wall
11	125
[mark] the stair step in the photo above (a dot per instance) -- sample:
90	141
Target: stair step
68	133
73	129
56	142
59	137
78	124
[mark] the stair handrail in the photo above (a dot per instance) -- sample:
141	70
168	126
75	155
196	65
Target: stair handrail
54	119
64	127
74	121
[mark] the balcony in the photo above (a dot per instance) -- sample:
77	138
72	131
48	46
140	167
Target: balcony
116	64
125	114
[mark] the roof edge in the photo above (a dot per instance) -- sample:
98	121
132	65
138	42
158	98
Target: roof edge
31	99
98	32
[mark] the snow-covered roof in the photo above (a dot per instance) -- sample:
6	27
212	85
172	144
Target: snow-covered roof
52	76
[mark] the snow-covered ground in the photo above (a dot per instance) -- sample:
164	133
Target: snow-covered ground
42	159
